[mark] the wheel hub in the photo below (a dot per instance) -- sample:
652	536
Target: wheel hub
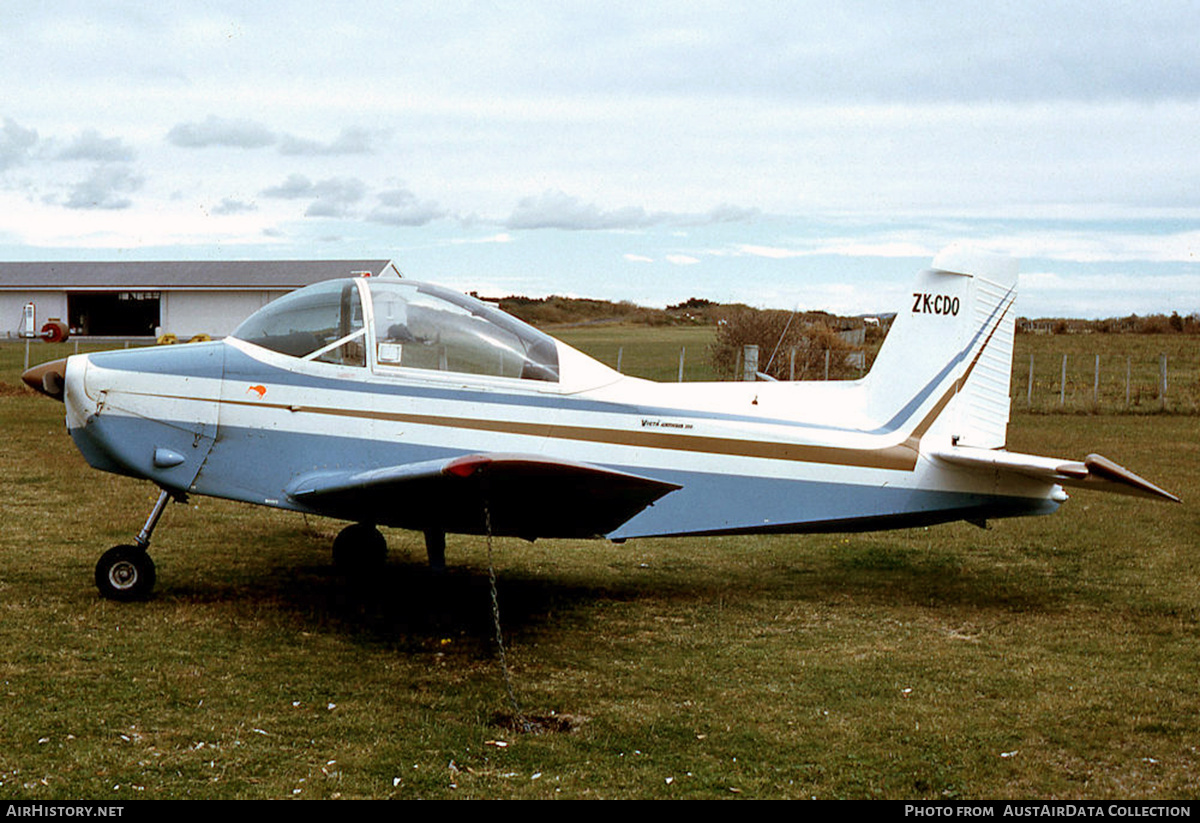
123	575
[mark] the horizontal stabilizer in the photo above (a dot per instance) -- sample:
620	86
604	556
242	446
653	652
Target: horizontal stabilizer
525	495
1095	472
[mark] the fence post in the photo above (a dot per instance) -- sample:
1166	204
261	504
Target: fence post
1162	380
682	349
1029	391
827	364
1062	387
750	363
620	351
1096	384
792	365
1128	374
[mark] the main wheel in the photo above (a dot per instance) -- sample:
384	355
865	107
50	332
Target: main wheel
359	548
125	573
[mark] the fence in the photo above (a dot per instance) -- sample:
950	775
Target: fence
1093	382
695	364
1127	375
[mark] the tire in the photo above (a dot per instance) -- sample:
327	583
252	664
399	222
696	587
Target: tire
359	548
125	574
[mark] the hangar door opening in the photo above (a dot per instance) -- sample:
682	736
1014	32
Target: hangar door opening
113	313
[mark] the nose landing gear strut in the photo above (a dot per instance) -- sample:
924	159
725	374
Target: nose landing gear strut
126	572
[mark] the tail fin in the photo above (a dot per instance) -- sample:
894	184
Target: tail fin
945	366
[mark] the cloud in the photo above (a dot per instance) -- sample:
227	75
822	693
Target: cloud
16	144
953	52
219	131
328	207
350	141
558	210
105	189
638	258
728	213
89	145
249	134
682	259
230	206
333	197
502	237
554	209
842	248
772	252
1101	245
295	187
400	207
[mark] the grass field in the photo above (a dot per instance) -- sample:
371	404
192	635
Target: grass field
646	351
1045	658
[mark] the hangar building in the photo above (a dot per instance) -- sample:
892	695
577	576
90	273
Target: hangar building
140	299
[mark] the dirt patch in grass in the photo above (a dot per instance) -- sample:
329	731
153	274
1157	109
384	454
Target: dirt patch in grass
538	723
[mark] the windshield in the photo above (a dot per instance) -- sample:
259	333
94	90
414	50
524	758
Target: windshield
321	322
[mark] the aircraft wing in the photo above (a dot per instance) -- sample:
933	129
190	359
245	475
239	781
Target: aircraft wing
526	495
1095	472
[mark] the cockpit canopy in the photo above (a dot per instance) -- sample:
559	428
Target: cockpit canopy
401	324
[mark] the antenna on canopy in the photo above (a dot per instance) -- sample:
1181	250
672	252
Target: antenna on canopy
779	342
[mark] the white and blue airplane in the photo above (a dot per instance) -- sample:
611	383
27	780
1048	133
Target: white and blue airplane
387	402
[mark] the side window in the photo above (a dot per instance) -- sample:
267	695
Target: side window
321	322
423	327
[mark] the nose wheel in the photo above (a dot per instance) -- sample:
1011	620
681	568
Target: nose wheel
126	573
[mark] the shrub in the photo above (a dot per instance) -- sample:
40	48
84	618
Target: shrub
779	332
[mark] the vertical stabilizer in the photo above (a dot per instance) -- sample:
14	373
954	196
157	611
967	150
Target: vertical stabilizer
945	367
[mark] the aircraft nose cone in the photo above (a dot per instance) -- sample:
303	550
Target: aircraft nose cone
48	378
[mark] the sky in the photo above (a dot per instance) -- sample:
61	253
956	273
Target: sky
808	155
